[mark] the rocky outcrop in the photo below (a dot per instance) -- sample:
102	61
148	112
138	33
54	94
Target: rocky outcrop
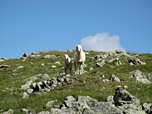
49	57
3	59
10	111
140	77
35	56
5	66
44	86
136	61
121	103
126	102
113	57
147	108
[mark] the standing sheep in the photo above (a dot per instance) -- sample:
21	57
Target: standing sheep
67	64
79	59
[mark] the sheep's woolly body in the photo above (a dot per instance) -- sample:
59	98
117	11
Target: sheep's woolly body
79	59
67	63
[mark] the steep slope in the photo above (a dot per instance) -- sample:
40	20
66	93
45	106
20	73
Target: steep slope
104	71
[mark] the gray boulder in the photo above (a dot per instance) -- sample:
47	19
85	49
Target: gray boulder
25	55
100	64
126	102
147	108
5	66
25	95
3	59
136	61
114	78
49	104
122	97
44	112
45	76
34	56
10	111
140	77
49	57
106	80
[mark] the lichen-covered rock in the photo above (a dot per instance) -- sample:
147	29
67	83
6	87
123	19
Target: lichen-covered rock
136	61
147	108
115	78
10	111
140	77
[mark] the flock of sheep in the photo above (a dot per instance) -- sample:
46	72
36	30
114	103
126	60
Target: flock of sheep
79	59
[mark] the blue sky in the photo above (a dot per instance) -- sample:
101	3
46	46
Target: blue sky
44	25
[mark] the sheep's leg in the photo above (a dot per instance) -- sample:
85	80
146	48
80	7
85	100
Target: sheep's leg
79	71
65	70
75	66
71	69
81	68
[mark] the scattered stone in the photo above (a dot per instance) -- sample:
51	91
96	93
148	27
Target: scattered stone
5	66
32	79
103	88
114	78
110	99
24	110
10	111
42	65
122	97
53	66
19	67
106	80
44	112
3	59
50	104
45	76
136	61
25	95
57	63
25	87
112	60
25	55
33	53
125	87
103	76
49	57
100	64
31	112
147	108
91	69
140	78
118	63
12	75
34	56
29	91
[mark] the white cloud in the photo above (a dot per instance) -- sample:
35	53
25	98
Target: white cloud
101	42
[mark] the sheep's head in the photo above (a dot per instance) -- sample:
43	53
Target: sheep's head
66	56
79	48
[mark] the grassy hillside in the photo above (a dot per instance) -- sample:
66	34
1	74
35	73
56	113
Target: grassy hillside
90	83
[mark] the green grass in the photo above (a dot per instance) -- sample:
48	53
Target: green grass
11	95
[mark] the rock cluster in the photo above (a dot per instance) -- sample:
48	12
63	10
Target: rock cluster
140	77
113	57
121	103
36	56
44	86
3	59
10	111
113	77
136	61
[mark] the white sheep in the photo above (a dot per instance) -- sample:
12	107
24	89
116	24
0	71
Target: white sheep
67	64
79	59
